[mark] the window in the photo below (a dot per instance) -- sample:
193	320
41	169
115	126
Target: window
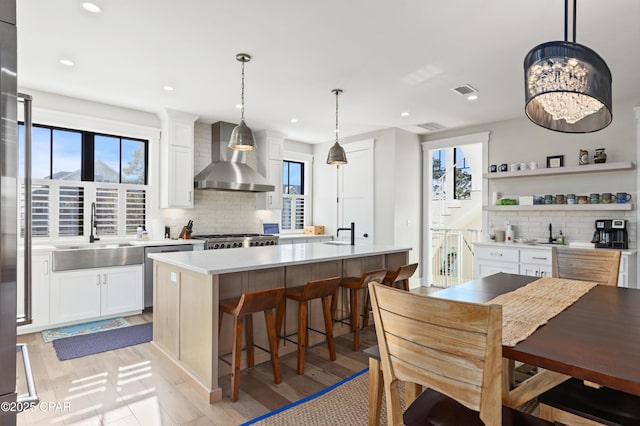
461	175
73	168
293	196
439	167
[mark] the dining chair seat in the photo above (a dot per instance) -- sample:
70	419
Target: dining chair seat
572	402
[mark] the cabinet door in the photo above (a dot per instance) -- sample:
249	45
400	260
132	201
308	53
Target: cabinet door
75	295
40	267
121	290
272	199
484	269
180	184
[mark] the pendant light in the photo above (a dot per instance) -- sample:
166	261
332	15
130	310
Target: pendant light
567	85
336	156
242	137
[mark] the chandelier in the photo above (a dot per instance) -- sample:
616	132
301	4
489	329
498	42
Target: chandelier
567	85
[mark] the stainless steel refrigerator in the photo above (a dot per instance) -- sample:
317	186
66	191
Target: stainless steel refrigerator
8	209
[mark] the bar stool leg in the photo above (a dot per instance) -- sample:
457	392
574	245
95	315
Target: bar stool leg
355	318
328	328
236	357
273	345
302	335
248	337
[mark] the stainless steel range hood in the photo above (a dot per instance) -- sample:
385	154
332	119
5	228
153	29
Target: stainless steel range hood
229	169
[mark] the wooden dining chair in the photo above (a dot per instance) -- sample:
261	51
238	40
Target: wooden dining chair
574	402
597	265
451	348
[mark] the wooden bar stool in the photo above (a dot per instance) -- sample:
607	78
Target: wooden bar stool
397	278
400	277
244	307
355	286
318	289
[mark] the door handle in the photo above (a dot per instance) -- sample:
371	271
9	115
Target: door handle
365	235
104	279
98	283
46	267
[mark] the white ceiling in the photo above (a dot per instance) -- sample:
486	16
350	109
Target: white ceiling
388	56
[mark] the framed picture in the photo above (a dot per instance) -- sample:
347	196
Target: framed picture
555	161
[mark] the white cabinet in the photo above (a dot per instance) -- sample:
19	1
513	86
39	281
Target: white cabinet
492	258
270	151
93	293
536	263
40	273
176	159
627	276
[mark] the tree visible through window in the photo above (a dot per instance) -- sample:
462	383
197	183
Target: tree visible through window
461	176
439	168
293	195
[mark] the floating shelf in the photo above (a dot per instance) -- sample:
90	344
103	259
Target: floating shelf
562	207
587	168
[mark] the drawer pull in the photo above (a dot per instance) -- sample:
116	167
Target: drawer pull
495	254
539	258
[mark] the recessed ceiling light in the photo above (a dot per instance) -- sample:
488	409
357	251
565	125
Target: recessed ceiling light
239	106
472	97
294	120
67	62
91	7
405	114
168	88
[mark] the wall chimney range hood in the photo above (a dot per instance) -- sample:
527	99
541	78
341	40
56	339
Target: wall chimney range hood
229	169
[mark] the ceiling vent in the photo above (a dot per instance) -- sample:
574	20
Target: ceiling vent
432	126
465	90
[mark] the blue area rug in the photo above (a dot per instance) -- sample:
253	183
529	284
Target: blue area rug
90	327
88	344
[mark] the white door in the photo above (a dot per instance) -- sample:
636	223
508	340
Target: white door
355	192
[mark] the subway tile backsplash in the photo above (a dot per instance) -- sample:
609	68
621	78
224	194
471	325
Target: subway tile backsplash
575	225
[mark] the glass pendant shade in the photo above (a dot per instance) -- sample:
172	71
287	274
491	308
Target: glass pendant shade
337	156
567	88
242	138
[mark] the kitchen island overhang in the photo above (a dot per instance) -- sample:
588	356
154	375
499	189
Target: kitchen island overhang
189	285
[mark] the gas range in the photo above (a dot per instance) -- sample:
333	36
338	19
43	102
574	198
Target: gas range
224	241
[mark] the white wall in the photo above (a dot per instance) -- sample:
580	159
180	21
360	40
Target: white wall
397	188
518	140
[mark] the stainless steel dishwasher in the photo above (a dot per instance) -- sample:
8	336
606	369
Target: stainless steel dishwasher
148	267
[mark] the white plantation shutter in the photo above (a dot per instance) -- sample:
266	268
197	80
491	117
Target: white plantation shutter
286	213
40	207
299	211
107	211
70	210
136	205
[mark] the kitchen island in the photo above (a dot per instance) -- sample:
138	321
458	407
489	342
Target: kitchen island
189	285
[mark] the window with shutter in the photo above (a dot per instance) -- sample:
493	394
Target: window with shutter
40	200
71	211
136	204
107	210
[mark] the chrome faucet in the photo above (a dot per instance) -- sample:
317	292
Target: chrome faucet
94	224
353	232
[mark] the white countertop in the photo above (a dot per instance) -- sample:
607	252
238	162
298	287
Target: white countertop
548	246
302	236
252	258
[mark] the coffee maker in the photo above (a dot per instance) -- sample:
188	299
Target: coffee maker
611	233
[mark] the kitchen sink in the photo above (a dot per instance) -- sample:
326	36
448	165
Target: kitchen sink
83	256
337	243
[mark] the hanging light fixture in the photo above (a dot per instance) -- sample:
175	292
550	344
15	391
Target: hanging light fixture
336	156
242	137
567	85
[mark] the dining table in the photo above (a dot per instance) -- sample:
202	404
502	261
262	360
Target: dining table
595	339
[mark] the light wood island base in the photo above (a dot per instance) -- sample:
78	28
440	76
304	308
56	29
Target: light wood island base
185	330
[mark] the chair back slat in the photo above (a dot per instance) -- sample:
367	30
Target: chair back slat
404	272
259	300
321	288
597	265
452	347
376	275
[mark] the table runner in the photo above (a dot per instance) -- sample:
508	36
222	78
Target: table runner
529	307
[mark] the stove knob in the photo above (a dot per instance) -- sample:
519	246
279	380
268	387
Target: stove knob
236	244
228	245
215	246
261	243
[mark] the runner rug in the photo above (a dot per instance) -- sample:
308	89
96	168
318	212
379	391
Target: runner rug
88	344
90	327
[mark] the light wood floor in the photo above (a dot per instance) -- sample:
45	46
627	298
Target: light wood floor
133	386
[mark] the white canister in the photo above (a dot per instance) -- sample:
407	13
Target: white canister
509	235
